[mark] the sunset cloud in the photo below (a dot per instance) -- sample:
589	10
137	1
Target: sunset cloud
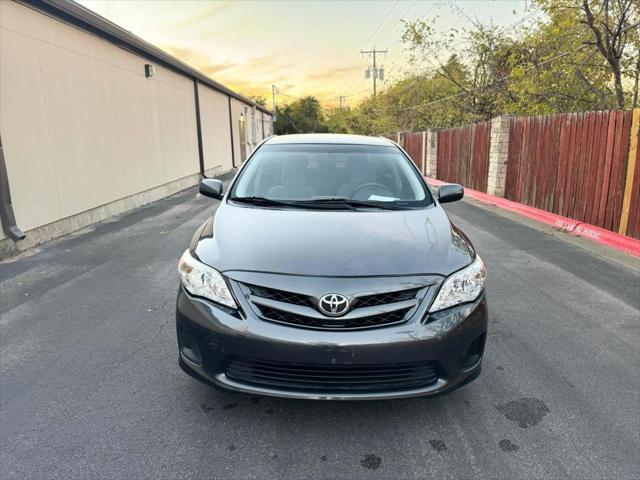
304	48
328	74
210	10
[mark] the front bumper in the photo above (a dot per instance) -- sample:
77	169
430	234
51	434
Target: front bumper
210	338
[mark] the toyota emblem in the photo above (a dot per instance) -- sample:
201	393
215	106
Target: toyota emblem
334	304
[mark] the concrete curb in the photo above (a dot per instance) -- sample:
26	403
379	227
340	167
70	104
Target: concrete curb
599	235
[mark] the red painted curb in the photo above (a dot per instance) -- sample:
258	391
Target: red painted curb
597	234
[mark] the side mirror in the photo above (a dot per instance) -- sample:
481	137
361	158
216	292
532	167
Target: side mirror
210	187
450	192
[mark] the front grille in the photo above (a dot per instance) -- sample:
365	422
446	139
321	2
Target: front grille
384	298
332	378
280	295
283	315
362	322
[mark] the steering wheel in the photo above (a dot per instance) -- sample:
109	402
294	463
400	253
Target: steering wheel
371	185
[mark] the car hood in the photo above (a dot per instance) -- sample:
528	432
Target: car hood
341	243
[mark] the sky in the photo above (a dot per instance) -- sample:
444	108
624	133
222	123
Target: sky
302	47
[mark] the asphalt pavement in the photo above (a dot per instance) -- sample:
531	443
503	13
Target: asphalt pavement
90	386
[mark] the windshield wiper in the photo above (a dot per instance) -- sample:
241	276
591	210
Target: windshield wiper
264	201
350	202
318	203
268	202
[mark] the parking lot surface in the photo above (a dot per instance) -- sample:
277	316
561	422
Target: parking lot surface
90	386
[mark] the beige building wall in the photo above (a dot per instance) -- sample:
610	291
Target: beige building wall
87	135
253	119
82	126
252	131
255	132
266	125
237	110
216	134
257	126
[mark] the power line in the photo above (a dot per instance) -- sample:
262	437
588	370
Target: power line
276	91
494	83
523	20
355	63
509	28
431	7
280	92
422	17
353	67
343	98
381	23
435	4
399	20
461	11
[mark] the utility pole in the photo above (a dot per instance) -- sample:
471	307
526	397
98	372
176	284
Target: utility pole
273	100
376	74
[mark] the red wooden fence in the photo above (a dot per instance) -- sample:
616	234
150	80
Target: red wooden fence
463	155
633	227
412	143
573	165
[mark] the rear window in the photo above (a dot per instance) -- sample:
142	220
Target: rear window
304	172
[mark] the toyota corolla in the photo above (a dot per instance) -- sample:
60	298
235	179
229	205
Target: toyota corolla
330	271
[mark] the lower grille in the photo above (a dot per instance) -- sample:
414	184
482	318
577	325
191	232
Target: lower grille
332	378
363	322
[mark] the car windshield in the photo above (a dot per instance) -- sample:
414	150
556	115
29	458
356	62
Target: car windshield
329	175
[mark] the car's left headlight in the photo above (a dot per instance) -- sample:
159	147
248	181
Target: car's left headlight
203	281
462	286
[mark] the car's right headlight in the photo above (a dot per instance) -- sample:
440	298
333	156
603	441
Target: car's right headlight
203	281
461	287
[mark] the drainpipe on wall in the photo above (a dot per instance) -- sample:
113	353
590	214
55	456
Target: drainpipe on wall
196	94
233	153
6	209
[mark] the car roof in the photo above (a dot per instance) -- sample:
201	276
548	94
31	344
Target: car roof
329	138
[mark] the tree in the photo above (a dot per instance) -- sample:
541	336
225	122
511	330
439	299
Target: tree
303	115
580	55
551	69
259	99
341	120
474	71
614	24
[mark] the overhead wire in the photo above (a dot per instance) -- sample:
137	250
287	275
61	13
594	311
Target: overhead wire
398	22
453	4
422	17
280	92
353	67
461	11
494	83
